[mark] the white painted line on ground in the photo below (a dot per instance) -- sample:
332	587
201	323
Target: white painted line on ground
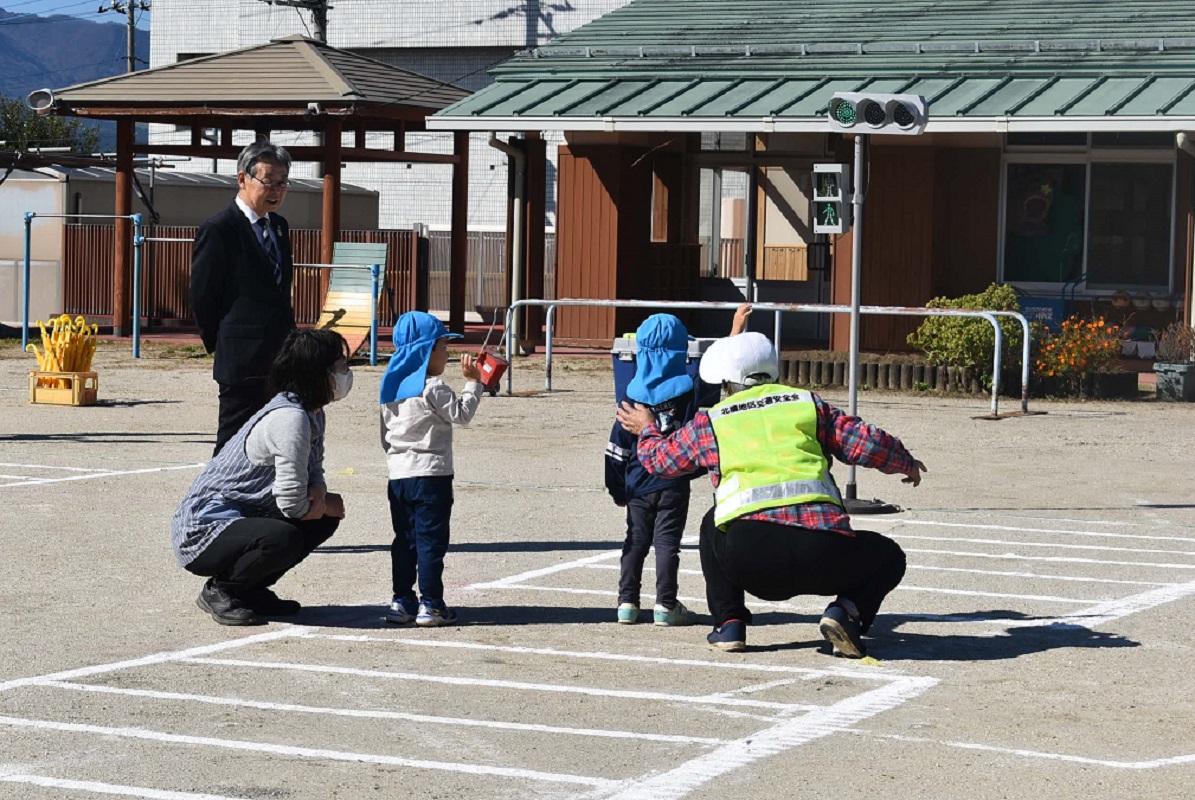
968	593
693	774
758	687
159	658
503	583
1155	763
1036	575
1052	545
17	478
92	476
805	672
349	712
302	752
1049	559
550	688
1110	610
1186	539
51	466
112	788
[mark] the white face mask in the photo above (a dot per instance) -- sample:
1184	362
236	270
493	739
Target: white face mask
342	382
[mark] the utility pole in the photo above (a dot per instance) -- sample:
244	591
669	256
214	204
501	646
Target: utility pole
319	14
128	8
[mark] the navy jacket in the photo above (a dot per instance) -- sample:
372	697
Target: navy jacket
242	313
625	476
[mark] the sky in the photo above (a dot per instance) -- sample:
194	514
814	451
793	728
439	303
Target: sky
83	9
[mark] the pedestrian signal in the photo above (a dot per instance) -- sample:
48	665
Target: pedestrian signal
831	198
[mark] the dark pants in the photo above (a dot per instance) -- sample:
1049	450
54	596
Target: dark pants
239	402
420	509
657	518
254	553
778	562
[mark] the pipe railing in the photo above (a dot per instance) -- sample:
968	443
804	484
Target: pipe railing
27	272
779	308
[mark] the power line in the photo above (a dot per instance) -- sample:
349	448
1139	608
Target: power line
128	7
319	13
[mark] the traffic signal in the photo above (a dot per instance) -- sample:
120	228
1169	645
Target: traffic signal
860	112
831	198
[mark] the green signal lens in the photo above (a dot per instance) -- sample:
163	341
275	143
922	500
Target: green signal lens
846	114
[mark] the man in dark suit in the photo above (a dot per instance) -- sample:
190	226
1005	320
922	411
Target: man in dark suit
241	273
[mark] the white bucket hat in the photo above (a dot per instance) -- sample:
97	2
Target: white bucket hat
748	359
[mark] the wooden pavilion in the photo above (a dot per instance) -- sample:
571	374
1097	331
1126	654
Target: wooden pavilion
289	84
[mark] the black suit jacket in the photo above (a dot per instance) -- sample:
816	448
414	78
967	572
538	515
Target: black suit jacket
242	312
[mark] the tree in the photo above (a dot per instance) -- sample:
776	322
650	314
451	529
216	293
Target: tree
21	128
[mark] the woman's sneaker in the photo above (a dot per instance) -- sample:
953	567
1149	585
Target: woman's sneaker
842	631
628	613
731	636
433	614
676	616
402	610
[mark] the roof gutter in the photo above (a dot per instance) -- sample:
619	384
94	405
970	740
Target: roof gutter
516	240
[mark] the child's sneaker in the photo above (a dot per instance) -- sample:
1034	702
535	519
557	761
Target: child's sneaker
433	614
842	631
674	617
731	636
402	610
628	613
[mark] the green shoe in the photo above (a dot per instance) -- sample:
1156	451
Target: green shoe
628	613
676	616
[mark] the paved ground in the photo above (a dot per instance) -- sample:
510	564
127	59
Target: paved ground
1039	645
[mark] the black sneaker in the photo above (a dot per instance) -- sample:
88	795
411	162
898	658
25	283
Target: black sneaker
263	601
841	631
224	608
731	636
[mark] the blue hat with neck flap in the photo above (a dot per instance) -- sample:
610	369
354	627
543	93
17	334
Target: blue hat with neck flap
660	372
415	335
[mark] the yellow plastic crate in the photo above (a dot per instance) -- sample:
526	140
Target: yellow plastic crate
80	389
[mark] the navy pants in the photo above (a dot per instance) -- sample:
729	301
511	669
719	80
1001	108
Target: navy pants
420	509
778	562
655	519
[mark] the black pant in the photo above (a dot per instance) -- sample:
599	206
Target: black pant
255	552
659	518
239	402
778	562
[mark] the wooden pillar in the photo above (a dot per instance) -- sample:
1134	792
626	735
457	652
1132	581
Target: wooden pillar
122	263
331	217
458	266
536	218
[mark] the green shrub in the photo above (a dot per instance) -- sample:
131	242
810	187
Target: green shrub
969	342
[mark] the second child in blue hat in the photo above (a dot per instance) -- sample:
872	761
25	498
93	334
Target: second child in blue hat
656	507
418	412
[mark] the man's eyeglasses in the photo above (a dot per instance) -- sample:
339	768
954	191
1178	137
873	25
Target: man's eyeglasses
282	185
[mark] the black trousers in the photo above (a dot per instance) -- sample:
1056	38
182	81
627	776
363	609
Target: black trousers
778	562
239	402
655	519
255	552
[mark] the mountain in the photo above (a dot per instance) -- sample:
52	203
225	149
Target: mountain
58	51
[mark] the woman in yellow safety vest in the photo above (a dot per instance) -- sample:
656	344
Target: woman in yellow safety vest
778	527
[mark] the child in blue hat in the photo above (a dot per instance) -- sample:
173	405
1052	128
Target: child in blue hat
418	412
656	507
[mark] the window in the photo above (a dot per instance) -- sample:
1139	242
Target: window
1101	217
1129	237
1044	222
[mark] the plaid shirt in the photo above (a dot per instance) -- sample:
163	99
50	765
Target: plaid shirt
849	439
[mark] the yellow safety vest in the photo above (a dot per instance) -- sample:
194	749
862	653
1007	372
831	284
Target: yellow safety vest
768	453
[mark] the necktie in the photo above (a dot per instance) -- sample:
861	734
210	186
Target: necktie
267	243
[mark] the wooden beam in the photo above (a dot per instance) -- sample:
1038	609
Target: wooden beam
331	209
536	219
122	264
347	154
459	261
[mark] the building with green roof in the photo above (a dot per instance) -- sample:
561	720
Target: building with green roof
1053	157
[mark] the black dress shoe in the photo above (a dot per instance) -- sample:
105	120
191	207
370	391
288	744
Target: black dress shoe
263	601
224	608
